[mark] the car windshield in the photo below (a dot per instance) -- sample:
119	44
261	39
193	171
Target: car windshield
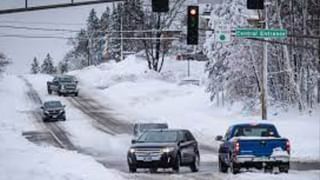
255	131
143	127
66	79
52	104
159	136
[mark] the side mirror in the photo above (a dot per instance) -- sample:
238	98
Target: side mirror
219	138
133	141
41	107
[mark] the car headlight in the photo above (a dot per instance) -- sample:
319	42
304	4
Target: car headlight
167	149
131	150
61	111
46	112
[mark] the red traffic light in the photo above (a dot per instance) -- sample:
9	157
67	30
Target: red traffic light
193	12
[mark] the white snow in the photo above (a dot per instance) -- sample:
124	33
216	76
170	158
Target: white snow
131	89
21	159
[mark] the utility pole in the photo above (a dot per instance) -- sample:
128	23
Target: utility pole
264	87
121	34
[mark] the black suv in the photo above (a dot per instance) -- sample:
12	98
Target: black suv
63	85
164	148
53	110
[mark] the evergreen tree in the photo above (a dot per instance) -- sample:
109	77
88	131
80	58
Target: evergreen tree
95	36
63	67
105	22
115	44
47	66
35	68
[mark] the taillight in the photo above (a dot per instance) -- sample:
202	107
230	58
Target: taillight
288	147
236	147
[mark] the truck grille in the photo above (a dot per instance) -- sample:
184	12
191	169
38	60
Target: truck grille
71	87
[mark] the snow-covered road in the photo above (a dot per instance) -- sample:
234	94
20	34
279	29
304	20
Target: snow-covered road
21	100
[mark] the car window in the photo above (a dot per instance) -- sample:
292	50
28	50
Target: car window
52	104
228	133
158	136
255	131
189	136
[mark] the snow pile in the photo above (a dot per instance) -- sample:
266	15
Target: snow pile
150	97
21	159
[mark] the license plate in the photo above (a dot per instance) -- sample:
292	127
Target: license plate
54	116
147	159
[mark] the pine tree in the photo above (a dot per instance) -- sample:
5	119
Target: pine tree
105	22
35	68
47	66
114	44
95	38
63	67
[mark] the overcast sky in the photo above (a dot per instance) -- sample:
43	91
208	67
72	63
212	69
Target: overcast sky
22	50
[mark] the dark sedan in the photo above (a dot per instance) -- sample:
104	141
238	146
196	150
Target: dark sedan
164	148
53	111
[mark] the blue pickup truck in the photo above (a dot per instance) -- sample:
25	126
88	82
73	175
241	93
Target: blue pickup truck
256	145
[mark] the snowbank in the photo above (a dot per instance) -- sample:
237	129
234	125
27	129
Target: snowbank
21	159
145	96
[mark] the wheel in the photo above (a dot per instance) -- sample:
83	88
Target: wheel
49	91
196	163
176	166
153	170
132	169
44	120
59	93
284	168
235	168
222	166
268	169
76	94
63	119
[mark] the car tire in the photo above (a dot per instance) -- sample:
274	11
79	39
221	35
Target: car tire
268	169
76	94
59	93
49	91
284	168
176	166
132	169
235	168
44	120
195	164
223	167
153	170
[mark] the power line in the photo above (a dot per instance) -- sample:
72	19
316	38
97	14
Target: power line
54	6
40	23
73	31
64	37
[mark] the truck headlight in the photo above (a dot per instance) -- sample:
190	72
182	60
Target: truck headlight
167	149
132	150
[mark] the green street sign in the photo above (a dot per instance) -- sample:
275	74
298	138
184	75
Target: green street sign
261	33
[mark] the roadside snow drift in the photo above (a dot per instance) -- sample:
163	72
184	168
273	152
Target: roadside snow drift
21	159
142	95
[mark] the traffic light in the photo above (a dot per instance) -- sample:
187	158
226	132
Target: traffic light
160	5
255	4
193	25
